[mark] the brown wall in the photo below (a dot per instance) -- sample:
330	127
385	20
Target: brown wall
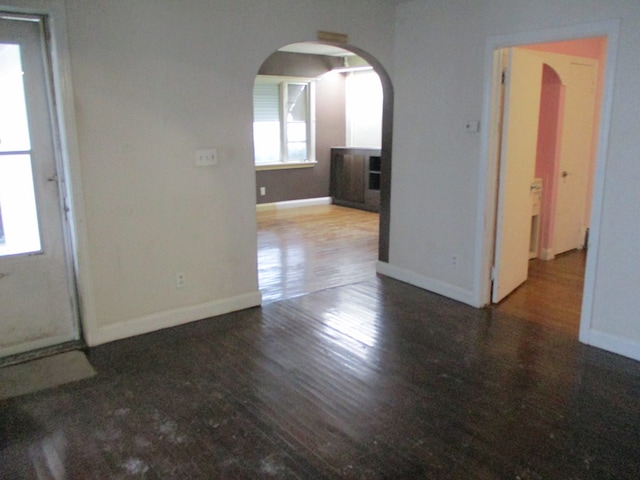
310	182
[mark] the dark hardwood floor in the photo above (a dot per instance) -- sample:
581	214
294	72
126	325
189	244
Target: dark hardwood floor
371	380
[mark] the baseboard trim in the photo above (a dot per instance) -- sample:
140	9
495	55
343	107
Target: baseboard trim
546	254
31	346
612	343
173	318
427	283
304	202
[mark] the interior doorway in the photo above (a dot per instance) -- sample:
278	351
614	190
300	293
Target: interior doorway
37	292
338	78
550	102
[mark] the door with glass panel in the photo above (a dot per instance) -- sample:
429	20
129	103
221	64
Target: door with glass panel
37	303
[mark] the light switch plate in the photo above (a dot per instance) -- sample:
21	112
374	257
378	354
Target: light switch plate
206	157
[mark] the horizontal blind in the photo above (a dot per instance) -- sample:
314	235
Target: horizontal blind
266	103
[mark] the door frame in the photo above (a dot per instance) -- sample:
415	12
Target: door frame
489	166
66	151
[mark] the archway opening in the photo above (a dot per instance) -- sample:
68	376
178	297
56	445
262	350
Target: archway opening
313	101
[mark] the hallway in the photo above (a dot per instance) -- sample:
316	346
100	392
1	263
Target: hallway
552	295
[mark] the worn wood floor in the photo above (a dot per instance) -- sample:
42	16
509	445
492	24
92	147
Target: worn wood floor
302	250
552	295
365	381
371	380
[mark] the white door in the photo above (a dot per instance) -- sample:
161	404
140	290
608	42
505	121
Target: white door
575	156
36	293
523	83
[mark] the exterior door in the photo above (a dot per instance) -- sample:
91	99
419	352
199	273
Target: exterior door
523	84
36	291
575	155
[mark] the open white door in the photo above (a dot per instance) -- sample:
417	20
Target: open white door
576	153
36	293
523	83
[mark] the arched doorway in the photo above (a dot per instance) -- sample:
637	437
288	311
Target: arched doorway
300	70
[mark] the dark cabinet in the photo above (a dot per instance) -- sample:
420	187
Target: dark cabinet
355	178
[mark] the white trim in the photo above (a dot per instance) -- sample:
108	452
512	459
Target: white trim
426	283
304	202
173	318
547	254
613	343
35	345
65	110
593	246
285	165
485	216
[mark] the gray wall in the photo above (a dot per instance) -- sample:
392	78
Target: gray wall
443	183
310	182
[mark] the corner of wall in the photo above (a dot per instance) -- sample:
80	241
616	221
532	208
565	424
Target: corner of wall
427	283
172	318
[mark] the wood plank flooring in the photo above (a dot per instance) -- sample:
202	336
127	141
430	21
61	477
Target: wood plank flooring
373	380
552	295
370	379
302	250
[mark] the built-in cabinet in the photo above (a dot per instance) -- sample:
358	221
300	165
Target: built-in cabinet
355	178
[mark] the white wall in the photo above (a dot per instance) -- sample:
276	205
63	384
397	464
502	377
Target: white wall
364	109
153	80
436	182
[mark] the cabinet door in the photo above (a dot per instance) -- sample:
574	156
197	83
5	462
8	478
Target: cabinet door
350	178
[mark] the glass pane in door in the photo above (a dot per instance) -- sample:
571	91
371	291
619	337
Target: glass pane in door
14	129
19	232
18	206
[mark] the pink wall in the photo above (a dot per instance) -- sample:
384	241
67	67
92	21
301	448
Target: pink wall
550	121
595	48
584	47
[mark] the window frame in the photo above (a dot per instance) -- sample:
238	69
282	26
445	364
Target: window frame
283	83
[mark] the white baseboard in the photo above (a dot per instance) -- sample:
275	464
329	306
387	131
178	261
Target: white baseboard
427	283
304	202
172	318
546	254
36	344
612	343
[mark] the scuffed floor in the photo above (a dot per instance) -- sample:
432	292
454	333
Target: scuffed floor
371	380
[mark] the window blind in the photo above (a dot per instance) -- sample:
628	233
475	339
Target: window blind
266	103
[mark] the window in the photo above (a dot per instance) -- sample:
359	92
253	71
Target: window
283	122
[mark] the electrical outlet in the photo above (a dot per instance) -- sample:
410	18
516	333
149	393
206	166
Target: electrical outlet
472	126
263	191
454	260
180	280
206	157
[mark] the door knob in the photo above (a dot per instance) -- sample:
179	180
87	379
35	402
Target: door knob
565	174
